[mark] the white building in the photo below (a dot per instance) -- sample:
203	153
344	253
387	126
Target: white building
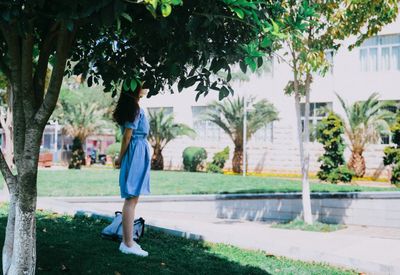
355	75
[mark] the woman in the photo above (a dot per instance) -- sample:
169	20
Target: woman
134	161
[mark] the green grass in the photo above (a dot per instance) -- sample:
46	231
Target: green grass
91	182
298	224
73	245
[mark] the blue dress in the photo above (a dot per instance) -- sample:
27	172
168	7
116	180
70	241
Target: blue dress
134	177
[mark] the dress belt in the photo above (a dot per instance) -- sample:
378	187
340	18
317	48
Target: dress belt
139	136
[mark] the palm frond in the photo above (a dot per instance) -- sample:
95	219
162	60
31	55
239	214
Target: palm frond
163	128
366	120
229	115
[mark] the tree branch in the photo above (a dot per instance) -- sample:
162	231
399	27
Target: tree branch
46	48
6	172
14	52
64	42
26	76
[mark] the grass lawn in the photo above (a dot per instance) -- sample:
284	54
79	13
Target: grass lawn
91	182
316	226
104	182
73	245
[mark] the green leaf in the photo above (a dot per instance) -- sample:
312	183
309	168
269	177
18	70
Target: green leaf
190	81
90	81
243	66
166	9
224	92
266	42
181	84
176	2
239	12
126	16
201	88
214	86
229	76
197	96
275	27
153	3
151	10
118	24
125	86
260	62
252	64
217	64
134	85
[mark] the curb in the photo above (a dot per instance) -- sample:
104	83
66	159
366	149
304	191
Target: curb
247	196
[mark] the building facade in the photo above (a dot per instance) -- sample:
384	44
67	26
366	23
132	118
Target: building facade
354	75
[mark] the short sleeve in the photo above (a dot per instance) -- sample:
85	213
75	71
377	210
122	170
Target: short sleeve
133	125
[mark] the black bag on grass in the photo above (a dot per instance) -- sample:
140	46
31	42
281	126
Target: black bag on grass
114	230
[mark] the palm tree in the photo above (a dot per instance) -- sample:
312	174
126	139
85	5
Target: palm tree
229	115
83	119
163	129
80	121
364	122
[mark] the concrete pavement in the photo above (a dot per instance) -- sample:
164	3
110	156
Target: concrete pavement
372	250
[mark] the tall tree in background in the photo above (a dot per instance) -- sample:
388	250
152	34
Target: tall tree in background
311	28
229	116
116	42
164	129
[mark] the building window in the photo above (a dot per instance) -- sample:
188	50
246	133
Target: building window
386	138
167	110
380	53
318	110
205	129
265	134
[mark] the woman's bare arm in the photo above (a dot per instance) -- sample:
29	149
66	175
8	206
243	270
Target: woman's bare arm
126	138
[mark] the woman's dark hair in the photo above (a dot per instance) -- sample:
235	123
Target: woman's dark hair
127	107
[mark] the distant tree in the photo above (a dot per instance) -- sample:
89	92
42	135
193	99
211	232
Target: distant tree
310	29
392	153
364	123
164	129
329	133
229	115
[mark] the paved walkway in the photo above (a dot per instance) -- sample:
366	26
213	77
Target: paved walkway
366	249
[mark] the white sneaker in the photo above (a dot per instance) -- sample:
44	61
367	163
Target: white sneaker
135	249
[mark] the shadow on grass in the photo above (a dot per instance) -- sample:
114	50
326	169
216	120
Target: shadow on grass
73	245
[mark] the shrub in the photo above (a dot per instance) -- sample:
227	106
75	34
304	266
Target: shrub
212	168
329	133
113	149
392	153
340	174
193	158
218	162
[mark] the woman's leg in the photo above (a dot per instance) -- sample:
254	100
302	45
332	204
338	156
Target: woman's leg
128	216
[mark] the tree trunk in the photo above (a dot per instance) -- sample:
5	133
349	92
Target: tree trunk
24	247
157	160
23	259
357	163
237	161
303	148
29	116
